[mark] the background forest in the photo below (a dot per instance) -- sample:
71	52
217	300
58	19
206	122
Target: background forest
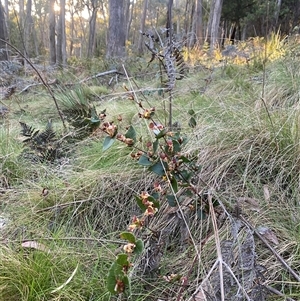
60	30
150	150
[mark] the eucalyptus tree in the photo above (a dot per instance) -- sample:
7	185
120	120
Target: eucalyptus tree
52	40
199	22
213	29
6	11
116	30
194	23
92	6
61	55
41	18
129	7
142	28
30	38
3	37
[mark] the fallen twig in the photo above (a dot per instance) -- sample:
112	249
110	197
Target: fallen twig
100	74
280	259
54	82
41	78
276	292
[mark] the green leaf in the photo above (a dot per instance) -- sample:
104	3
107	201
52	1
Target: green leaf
191	112
155	146
122	260
131	133
128	236
185	159
139	246
155	195
144	160
94	115
192	122
154	201
140	203
185	175
162	133
171	200
174	184
95	121
108	142
111	279
126	281
116	272
159	168
176	146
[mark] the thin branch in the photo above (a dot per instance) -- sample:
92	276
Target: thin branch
204	280
41	78
218	245
101	240
280	259
55	82
278	293
100	74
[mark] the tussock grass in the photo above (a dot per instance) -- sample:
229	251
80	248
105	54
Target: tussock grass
35	275
246	150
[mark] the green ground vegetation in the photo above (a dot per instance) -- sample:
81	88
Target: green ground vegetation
61	219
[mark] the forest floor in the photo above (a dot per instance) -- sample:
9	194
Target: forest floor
61	219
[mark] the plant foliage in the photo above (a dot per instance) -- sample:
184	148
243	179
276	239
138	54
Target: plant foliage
80	114
43	144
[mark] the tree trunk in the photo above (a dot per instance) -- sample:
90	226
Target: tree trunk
187	17
42	39
28	27
3	51
59	56
72	28
63	24
61	35
214	22
6	11
169	24
277	11
193	38
143	20
52	33
92	32
199	23
128	17
21	14
116	30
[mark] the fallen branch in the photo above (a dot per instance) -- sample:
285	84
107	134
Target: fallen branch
54	82
97	240
280	259
41	78
100	74
278	293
